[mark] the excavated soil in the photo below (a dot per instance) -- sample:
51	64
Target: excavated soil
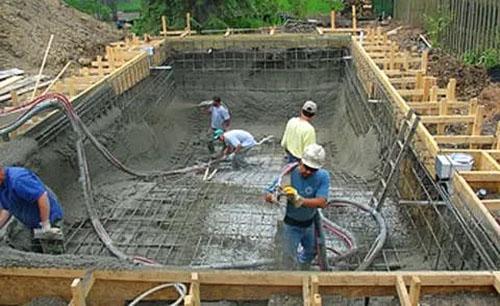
26	26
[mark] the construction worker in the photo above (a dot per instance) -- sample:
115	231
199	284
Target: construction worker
238	143
220	118
299	132
24	196
306	187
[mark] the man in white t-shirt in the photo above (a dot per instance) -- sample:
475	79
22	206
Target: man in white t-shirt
238	143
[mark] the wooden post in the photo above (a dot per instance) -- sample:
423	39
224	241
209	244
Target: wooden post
188	300
451	89
427	88
188	23
478	121
354	21
71	86
77	293
497	146
100	70
443	110
194	290
164	25
419	80
425	61
404	298
392	55
14	98
306	291
415	290
332	20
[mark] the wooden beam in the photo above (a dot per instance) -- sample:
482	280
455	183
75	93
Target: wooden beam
404	298
481	176
77	293
465	139
451	89
493	205
448	119
194	289
415	285
496	282
354	18
163	26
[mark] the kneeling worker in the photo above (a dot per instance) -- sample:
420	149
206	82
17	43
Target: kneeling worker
306	191
238	143
24	196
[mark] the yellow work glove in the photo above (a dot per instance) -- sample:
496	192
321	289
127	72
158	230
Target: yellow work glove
293	196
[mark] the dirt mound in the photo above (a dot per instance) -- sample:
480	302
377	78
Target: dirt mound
471	80
25	28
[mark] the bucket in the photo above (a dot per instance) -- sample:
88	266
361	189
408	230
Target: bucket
462	161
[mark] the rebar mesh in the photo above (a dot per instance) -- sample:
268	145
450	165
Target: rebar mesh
187	221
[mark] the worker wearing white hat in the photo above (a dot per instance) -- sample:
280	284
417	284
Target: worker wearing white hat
307	191
299	133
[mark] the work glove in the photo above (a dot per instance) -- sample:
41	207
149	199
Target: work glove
293	196
228	157
47	230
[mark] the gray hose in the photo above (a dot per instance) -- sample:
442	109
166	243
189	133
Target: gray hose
379	242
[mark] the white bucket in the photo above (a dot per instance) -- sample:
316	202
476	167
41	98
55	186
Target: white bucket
462	161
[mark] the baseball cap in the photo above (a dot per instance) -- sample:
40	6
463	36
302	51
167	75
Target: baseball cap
310	107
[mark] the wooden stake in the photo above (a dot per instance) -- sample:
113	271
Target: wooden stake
57	77
497	146
99	66
14	98
194	290
354	21
43	65
478	121
415	285
451	89
443	110
404	298
425	61
188	23
419	80
332	20
77	293
164	25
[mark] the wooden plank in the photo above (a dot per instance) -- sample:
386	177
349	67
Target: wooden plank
464	191
10	73
496	282
481	176
21	84
404	298
493	205
9	81
465	139
6	97
420	92
435	105
449	119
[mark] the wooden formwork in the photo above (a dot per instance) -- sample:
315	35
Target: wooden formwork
404	78
106	287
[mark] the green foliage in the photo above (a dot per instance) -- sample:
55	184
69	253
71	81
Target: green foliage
489	58
92	7
221	14
131	6
435	25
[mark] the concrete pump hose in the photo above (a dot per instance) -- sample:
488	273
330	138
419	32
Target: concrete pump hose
379	242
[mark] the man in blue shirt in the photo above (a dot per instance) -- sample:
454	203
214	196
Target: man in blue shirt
24	196
306	191
238	143
220	119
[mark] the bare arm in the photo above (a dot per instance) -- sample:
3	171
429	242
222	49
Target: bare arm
4	217
237	149
44	207
226	124
315	203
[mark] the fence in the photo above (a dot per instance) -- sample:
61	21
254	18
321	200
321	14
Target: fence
469	25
